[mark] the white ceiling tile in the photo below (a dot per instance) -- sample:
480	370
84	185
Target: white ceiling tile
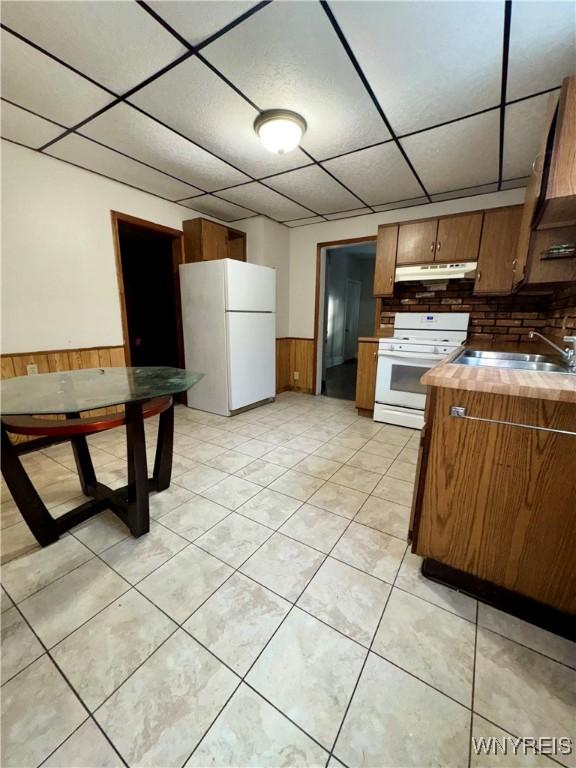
427	62
199	104
315	189
542	46
39	83
401	204
378	175
515	183
348	214
462	154
304	222
287	56
483	189
128	130
220	209
117	44
198	20
25	128
94	157
263	200
524	126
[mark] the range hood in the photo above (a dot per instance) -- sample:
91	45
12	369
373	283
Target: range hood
428	272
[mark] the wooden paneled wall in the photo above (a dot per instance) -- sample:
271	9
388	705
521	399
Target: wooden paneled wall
294	355
63	360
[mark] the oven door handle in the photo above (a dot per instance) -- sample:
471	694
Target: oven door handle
415	357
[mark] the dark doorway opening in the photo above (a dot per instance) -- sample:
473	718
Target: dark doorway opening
149	295
147	257
349	311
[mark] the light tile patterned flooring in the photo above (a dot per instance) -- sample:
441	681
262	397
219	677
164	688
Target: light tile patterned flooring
273	616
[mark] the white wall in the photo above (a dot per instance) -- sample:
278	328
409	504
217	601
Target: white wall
303	242
59	285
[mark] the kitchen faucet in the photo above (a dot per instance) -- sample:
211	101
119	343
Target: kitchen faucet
568	354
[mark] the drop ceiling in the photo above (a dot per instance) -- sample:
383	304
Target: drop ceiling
406	102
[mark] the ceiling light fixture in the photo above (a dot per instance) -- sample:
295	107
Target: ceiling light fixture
280	130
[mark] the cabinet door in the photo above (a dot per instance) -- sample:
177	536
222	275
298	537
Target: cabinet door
497	257
532	195
214	241
498	499
545	270
366	376
416	242
385	260
458	238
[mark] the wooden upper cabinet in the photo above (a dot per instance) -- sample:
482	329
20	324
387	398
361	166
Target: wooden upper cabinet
416	242
497	257
458	238
385	260
558	205
532	196
366	376
206	240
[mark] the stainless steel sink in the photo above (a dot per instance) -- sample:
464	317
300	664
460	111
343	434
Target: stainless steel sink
511	360
485	355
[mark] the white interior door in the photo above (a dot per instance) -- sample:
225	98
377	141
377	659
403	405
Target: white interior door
251	357
353	291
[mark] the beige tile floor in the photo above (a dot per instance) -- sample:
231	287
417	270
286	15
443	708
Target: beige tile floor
273	616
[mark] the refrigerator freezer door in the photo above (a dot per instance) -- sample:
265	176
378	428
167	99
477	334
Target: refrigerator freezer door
251	357
249	287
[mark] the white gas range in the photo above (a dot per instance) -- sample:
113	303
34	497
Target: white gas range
421	339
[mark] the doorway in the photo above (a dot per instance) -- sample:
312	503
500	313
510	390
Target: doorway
147	259
348	313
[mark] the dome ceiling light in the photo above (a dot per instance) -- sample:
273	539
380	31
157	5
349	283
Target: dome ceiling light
280	130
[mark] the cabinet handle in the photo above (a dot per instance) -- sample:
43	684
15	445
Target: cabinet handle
391	281
375	354
460	412
538	156
438	245
432	246
478	276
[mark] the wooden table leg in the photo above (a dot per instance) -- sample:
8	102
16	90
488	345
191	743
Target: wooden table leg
138	516
83	460
164	449
31	506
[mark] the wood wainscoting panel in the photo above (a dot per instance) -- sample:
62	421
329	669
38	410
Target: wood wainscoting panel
294	355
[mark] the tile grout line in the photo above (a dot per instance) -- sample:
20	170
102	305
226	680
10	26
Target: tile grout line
473	687
347	709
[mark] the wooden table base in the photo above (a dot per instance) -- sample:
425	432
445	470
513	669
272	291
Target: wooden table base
130	503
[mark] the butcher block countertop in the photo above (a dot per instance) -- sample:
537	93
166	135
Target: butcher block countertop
504	381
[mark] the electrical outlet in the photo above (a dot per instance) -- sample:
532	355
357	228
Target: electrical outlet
31	369
296	375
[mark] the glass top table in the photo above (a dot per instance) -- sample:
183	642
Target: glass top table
90	388
144	392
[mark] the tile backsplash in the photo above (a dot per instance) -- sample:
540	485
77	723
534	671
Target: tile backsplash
502	318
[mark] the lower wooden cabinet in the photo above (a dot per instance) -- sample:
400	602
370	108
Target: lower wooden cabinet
497	500
366	376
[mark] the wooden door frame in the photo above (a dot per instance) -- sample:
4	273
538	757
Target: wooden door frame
319	248
177	259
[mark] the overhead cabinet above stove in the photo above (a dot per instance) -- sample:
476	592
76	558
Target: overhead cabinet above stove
445	240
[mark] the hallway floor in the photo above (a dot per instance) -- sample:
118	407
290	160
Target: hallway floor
341	380
273	616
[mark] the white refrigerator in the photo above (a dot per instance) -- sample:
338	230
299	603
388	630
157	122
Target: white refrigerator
229	327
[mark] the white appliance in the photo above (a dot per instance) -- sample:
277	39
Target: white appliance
420	341
229	326
428	272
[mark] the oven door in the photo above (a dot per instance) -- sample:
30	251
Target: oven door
398	377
